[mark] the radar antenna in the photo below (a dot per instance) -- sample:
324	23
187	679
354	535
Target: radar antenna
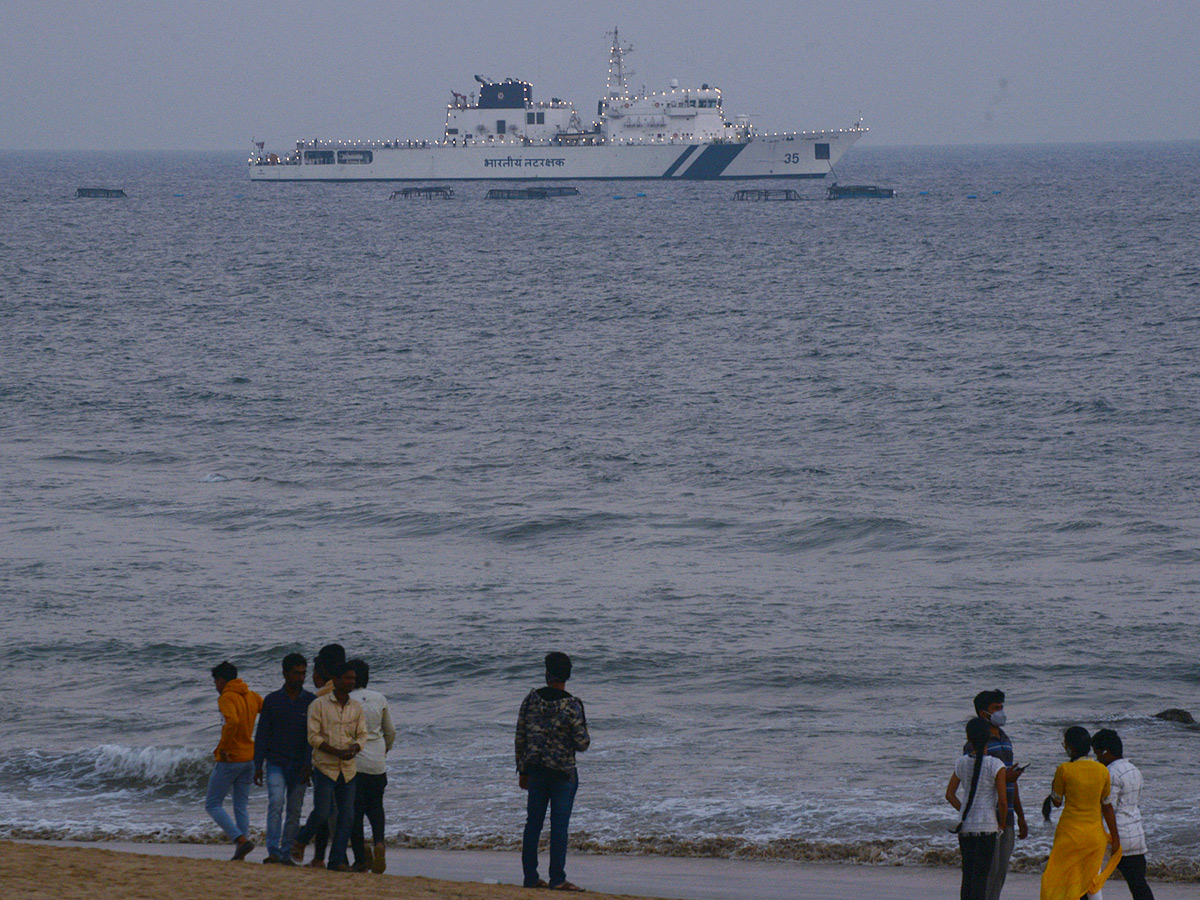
618	72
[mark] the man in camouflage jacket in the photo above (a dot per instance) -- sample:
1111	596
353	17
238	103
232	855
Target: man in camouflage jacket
551	728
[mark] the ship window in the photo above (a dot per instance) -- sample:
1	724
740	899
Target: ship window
355	157
822	151
499	126
318	157
530	118
451	131
541	118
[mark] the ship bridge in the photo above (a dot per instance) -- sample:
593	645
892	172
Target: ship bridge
505	111
677	114
687	115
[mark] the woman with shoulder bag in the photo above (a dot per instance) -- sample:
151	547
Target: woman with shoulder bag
985	811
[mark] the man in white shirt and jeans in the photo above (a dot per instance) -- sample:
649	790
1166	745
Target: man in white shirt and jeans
372	772
1125	793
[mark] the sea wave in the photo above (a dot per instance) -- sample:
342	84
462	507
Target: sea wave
110	767
114	457
863	532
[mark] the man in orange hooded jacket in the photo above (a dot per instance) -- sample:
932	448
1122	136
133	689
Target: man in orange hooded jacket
234	769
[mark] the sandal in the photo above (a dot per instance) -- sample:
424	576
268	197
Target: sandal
567	886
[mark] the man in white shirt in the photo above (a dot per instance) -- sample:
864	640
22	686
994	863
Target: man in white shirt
1125	793
372	772
337	731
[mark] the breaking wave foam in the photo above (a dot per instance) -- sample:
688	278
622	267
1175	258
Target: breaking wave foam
110	767
878	852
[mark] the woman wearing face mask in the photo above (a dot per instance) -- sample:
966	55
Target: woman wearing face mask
983	813
1079	840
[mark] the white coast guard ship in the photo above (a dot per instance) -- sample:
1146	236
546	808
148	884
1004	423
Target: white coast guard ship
504	134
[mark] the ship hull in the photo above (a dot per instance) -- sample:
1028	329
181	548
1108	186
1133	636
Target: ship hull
809	155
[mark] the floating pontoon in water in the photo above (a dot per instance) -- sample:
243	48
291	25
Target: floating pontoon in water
105	193
859	192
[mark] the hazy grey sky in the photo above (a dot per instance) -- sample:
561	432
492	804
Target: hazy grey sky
212	74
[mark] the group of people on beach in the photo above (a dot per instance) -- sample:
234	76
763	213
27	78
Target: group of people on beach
338	738
1100	811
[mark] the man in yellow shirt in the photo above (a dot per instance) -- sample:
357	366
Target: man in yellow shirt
234	769
337	731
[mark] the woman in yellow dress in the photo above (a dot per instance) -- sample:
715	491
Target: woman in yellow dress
1074	868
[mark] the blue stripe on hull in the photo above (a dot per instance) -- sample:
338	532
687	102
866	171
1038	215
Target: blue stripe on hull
713	161
432	178
679	162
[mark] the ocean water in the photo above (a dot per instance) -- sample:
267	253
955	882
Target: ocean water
791	482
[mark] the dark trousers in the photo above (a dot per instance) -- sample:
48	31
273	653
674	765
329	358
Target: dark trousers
556	790
1133	868
368	804
977	851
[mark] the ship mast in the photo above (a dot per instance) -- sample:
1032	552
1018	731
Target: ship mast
618	74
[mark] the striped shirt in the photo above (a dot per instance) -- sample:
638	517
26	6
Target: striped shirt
1126	791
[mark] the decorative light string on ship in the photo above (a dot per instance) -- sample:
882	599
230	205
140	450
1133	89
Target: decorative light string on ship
691	117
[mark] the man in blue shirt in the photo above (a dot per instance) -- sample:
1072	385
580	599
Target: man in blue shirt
282	744
990	705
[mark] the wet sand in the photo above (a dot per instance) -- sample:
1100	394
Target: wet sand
63	871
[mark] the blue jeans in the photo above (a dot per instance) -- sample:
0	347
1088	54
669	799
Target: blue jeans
327	792
225	777
281	828
558	792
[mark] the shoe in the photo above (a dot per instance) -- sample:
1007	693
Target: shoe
379	859
287	861
317	863
360	867
244	849
297	853
271	860
540	883
341	867
566	886
368	856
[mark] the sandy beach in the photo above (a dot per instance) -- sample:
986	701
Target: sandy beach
184	871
